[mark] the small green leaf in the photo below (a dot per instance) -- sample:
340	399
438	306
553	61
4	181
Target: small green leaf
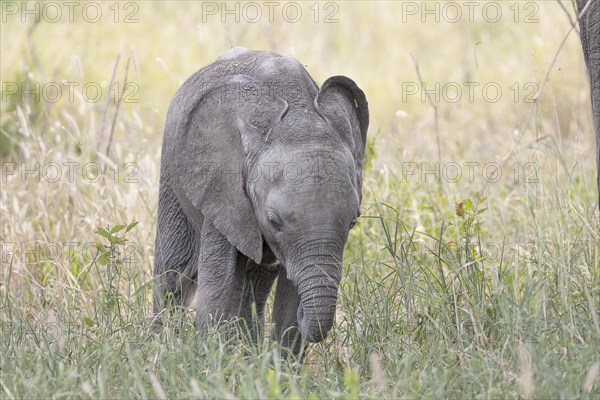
131	225
117	240
103	232
117	228
468	204
103	259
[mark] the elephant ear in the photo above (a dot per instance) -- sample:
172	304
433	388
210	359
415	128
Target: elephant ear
208	154
341	103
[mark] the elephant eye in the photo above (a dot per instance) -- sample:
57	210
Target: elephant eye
274	220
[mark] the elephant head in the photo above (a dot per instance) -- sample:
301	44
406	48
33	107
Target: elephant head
279	179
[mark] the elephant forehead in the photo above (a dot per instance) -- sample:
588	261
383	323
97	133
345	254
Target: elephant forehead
308	154
304	166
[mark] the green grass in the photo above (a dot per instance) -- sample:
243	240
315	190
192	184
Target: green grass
473	288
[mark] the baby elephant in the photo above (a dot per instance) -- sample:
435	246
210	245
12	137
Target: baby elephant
260	179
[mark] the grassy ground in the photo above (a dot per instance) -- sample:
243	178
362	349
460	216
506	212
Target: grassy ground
483	285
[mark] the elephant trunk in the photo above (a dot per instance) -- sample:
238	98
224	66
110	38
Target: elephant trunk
317	279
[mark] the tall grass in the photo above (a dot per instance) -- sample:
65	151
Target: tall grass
470	288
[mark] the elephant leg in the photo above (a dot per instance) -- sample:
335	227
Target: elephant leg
221	275
285	311
176	254
589	25
257	286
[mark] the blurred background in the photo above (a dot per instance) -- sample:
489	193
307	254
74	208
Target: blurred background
470	102
482	65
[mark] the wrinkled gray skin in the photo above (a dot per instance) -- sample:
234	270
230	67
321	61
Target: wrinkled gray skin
260	179
589	26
